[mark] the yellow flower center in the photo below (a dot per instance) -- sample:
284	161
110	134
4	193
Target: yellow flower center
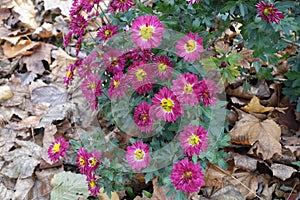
81	161
268	11
139	154
162	67
188	89
122	1
108	33
140	74
116	83
187	175
69	74
194	140
92	162
91	86
144	116
167	105
190	46
114	61
56	148
146	32
92	184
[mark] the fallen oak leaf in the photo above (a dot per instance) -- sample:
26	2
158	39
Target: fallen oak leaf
249	130
254	106
282	171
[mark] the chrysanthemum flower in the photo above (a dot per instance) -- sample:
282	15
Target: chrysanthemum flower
138	54
87	5
93	161
142	117
137	155
147	32
58	149
117	86
184	88
120	5
268	12
113	61
88	63
206	91
70	73
189	47
187	176
140	76
193	139
82	160
164	67
193	1
107	32
92	186
166	106
91	86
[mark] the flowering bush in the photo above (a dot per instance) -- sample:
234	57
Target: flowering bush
147	71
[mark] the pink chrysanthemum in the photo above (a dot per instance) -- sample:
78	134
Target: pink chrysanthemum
268	12
82	160
164	67
70	73
193	1
137	155
140	76
113	61
92	186
206	91
58	149
88	63
120	5
147	32
142	117
187	176
193	139
107	32
184	88
91	86
138	54
87	5
93	161
117	86
166	106
189	47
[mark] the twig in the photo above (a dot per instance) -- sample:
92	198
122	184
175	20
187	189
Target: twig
290	42
292	191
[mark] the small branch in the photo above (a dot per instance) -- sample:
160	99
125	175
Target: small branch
290	42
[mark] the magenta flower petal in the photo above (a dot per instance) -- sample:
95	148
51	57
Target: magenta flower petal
137	155
268	12
187	176
58	149
147	32
166	106
142	117
164	67
206	91
107	32
184	88
92	186
117	86
82	160
189	47
193	139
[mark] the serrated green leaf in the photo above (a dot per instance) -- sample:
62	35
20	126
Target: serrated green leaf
68	185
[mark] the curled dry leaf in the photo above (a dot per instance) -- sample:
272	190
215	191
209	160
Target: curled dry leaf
266	134
63	5
4	192
49	94
282	171
227	193
244	162
22	48
5	93
255	107
25	9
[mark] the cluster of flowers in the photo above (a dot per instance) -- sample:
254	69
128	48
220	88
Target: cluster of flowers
139	68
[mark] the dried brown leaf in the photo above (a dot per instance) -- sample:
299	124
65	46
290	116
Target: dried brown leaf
27	12
5	93
266	134
282	171
4	192
34	61
22	48
64	6
45	31
245	162
23	188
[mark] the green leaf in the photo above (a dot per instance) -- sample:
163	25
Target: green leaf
297	163
68	185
